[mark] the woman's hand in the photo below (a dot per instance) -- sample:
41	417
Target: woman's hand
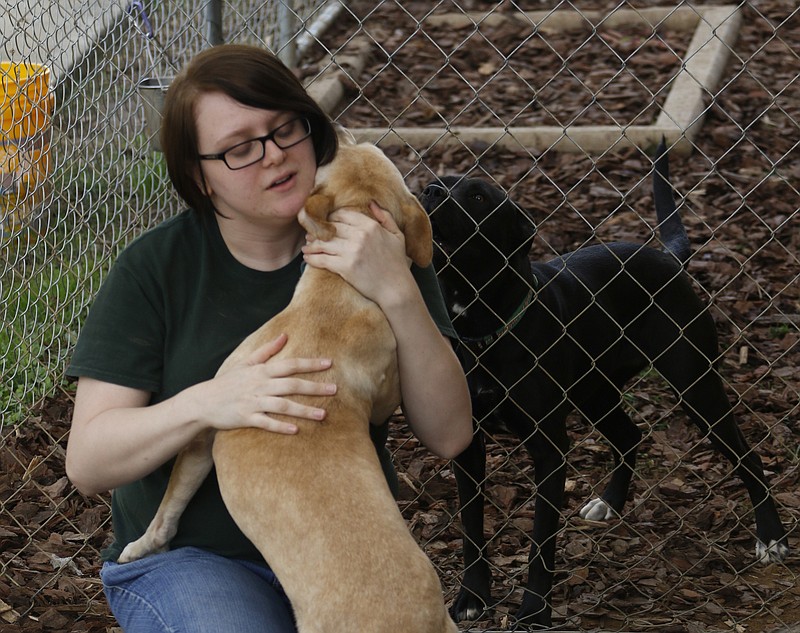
251	393
369	253
118	437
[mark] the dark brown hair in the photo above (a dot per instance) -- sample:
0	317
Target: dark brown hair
252	76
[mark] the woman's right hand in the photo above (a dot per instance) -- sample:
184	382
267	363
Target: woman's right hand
117	437
250	393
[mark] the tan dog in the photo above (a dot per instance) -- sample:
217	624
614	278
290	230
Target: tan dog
316	504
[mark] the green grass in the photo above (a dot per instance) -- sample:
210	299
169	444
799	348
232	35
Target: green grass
779	330
39	310
47	282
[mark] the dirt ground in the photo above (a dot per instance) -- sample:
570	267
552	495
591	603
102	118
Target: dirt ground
681	559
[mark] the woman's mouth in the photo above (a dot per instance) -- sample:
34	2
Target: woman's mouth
281	181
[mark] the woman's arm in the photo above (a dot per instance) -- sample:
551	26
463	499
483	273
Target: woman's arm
116	438
371	256
435	395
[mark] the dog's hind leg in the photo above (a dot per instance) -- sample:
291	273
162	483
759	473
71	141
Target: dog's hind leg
470	472
190	470
701	392
606	414
707	405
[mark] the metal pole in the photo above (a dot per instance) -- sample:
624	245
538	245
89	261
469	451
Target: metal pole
214	21
286	45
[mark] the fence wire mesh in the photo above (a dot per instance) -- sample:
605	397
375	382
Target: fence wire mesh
557	102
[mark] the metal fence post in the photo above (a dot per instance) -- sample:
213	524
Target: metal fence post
214	21
286	43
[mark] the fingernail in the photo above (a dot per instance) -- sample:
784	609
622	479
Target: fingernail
330	388
319	414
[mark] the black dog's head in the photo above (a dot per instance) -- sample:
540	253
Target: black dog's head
475	224
478	232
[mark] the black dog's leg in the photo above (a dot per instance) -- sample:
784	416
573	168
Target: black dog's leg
699	387
548	447
707	405
624	437
470	472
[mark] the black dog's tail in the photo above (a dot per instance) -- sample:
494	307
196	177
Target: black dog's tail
673	233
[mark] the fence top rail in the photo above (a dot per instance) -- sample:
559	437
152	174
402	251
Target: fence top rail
29	29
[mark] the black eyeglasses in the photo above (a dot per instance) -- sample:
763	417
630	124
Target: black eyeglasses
250	152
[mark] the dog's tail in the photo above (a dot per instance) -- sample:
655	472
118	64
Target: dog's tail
670	226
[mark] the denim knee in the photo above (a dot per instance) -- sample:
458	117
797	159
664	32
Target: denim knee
189	589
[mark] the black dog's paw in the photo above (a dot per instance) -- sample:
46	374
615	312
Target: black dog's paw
534	614
775	552
598	510
468	605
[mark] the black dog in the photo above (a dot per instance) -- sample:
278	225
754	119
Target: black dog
539	341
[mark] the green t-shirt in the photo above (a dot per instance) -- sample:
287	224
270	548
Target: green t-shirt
175	304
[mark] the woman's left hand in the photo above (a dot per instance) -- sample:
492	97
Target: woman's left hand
369	253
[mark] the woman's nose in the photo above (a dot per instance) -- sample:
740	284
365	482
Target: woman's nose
273	155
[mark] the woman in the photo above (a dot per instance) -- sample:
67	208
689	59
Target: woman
242	141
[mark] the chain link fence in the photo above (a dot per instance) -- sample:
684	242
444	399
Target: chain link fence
557	102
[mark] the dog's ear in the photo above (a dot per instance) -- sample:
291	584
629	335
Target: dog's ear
417	230
344	135
315	219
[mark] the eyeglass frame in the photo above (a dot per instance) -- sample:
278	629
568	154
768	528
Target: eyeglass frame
263	140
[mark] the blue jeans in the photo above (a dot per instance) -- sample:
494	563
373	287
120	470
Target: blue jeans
193	591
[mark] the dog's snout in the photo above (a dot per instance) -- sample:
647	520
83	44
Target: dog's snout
434	190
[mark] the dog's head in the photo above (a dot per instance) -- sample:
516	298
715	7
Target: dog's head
477	228
358	175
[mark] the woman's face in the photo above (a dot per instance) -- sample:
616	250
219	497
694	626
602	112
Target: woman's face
271	190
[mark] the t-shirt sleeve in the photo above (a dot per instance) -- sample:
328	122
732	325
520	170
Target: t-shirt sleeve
122	339
432	294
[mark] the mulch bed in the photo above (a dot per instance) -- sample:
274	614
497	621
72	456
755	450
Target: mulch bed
50	535
682	557
509	74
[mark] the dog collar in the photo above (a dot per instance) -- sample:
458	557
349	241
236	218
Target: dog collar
483	342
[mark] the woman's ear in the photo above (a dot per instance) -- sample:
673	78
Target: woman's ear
201	183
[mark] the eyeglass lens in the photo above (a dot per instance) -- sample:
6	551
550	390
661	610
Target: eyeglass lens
284	136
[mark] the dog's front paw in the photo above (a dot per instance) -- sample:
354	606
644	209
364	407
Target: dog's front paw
467	606
139	549
598	510
775	552
473	598
534	613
